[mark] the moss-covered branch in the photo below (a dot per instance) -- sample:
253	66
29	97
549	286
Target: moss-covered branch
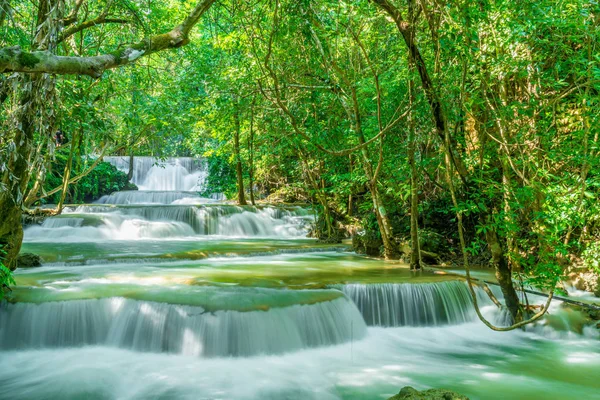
15	59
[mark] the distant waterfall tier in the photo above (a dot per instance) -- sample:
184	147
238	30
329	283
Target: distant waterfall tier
156	197
93	222
150	173
424	304
160	327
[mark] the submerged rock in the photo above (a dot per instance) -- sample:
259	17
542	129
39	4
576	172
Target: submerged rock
409	393
29	260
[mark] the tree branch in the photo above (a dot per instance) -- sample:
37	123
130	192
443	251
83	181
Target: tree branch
14	59
101	19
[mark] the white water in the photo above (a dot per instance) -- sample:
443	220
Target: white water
155	197
426	304
90	223
161	327
177	174
468	357
249	328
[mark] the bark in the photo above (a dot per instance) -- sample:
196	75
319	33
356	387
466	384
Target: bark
383	221
14	59
238	158
15	179
350	203
67	173
415	257
131	166
415	253
251	151
321	196
504	275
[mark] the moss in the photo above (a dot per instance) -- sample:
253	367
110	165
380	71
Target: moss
27	60
409	393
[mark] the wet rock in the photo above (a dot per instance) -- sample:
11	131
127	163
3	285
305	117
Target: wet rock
409	393
585	279
29	260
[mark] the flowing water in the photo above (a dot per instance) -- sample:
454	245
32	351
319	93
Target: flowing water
163	294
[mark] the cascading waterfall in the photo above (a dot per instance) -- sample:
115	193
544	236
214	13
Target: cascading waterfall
160	327
424	304
171	221
178	174
169	206
155	197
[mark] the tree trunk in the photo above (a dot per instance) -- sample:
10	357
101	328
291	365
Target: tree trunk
67	173
131	166
390	251
503	273
16	178
350	205
415	253
251	151
238	158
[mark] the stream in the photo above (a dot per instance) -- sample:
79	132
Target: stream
162	294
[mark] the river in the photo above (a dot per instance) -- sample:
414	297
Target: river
162	294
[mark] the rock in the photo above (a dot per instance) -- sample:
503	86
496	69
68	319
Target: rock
584	279
409	393
29	260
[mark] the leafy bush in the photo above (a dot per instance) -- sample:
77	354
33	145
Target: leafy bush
6	276
591	256
103	180
221	178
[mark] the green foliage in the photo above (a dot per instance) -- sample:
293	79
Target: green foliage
102	180
591	256
6	276
221	178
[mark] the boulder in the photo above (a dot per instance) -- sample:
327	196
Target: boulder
409	393
29	260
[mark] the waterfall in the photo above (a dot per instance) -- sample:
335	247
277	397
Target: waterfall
190	330
154	197
123	222
177	174
406	304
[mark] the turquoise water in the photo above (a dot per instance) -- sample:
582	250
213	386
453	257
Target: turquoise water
148	304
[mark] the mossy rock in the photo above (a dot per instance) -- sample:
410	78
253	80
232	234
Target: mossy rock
409	393
29	260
